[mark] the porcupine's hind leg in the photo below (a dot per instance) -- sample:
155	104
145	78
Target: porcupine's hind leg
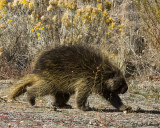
38	89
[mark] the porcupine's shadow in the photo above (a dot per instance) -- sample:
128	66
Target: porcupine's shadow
116	110
134	111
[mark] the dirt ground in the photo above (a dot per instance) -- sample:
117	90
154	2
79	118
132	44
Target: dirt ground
143	97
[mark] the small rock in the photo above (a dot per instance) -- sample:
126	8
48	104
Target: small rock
125	112
90	122
21	121
101	125
138	108
9	125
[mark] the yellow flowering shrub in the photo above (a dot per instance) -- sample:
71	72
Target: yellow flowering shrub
2	4
44	16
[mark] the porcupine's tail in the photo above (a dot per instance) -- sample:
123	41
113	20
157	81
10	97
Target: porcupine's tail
20	87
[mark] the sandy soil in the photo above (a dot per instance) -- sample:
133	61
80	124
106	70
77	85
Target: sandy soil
144	97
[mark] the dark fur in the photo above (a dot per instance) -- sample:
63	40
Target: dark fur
68	70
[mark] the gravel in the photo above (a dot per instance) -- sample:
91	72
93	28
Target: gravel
144	97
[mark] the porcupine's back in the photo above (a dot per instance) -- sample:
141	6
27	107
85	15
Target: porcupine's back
68	62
